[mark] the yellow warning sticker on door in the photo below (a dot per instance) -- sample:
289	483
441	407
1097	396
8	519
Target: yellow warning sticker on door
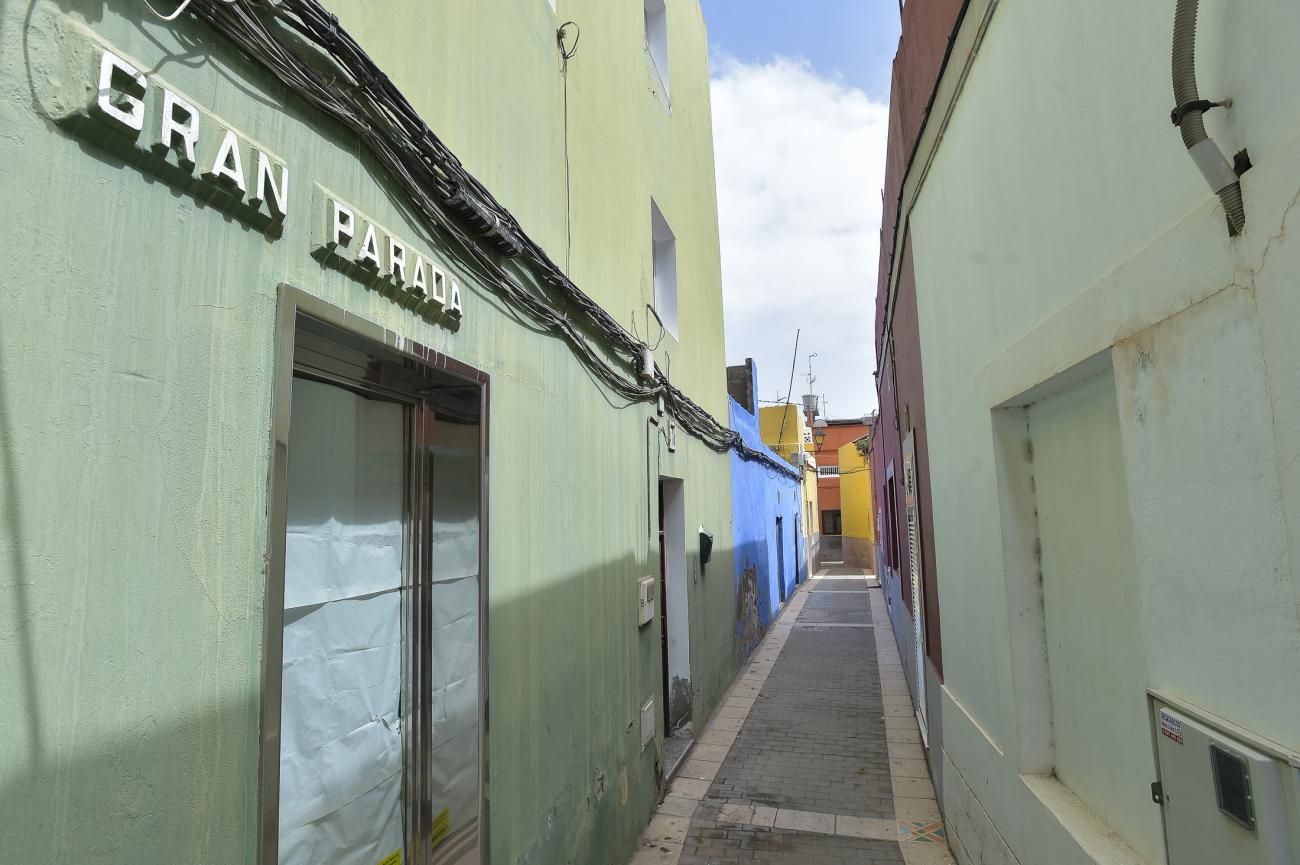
392	859
441	827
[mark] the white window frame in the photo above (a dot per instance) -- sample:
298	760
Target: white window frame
828	471
656	39
663	271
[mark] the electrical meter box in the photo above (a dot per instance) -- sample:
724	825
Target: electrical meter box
1225	798
645	601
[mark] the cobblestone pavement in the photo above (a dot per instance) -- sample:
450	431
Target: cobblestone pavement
814	757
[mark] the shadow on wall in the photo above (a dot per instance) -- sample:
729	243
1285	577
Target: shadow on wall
759	592
179	784
831	549
15	589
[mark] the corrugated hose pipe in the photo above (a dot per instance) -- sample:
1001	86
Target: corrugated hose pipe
1188	115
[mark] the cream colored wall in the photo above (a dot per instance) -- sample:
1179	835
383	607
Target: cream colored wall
1061	220
486	77
1099	731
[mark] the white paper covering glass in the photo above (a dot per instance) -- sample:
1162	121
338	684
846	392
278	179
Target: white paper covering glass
341	715
454	749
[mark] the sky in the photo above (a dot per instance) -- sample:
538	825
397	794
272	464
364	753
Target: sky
800	96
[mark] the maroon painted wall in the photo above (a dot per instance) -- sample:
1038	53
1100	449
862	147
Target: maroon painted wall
922	49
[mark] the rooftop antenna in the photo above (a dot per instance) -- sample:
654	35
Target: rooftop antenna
809	399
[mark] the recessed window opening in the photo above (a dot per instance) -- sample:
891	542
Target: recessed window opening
664	264
656	39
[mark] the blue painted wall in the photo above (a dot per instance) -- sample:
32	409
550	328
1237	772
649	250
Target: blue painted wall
760	494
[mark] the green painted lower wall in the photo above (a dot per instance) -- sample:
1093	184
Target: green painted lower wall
137	334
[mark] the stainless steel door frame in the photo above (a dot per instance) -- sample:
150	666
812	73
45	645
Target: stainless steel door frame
398	383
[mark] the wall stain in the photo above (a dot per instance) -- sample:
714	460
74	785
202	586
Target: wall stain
679	701
749	628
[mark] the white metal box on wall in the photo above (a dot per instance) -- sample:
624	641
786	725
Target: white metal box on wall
1227	796
645	600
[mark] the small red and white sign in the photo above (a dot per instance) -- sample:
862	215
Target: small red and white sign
1171	727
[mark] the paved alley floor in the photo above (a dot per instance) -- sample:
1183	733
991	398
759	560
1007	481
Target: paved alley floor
814	757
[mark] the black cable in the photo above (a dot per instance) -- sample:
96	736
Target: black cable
358	94
789	390
566	54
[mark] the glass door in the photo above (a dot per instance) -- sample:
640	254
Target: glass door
342	727
373	727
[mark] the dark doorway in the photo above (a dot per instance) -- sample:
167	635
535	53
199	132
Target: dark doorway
663	613
780	558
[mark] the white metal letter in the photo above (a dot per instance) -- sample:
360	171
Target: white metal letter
439	286
229	162
278	201
369	251
418	286
186	128
455	308
397	259
127	110
342	224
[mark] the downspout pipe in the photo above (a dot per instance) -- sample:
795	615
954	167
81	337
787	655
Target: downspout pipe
1188	116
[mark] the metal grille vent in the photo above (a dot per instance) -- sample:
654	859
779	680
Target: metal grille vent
1232	786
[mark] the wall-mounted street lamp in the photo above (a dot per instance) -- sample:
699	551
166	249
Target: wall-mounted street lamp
819	433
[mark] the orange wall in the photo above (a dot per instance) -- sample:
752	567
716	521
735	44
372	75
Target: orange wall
837	435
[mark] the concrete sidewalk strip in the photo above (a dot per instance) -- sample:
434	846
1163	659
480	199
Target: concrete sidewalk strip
806	821
689	788
867	827
805	732
694	767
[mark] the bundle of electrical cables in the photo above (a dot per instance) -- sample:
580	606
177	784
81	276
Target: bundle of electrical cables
304	47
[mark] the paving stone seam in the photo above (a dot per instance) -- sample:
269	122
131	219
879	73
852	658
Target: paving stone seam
845	825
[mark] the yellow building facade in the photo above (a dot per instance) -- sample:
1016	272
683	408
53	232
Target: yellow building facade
785	430
856	509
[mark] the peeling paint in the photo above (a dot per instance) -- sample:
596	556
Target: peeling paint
749	629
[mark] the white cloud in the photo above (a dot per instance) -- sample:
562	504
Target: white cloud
800	164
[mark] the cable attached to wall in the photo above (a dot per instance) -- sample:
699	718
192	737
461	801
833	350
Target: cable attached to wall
177	12
343	82
1187	116
566	54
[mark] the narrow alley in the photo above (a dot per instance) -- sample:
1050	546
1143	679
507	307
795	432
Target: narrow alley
674	432
814	755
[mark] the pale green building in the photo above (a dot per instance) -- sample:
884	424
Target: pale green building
299	477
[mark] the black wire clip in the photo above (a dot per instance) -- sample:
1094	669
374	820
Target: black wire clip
1176	116
567	52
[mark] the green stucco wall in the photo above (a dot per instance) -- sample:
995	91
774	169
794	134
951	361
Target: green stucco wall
136	353
1058	234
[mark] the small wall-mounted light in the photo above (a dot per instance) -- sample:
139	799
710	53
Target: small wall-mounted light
706	546
819	433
